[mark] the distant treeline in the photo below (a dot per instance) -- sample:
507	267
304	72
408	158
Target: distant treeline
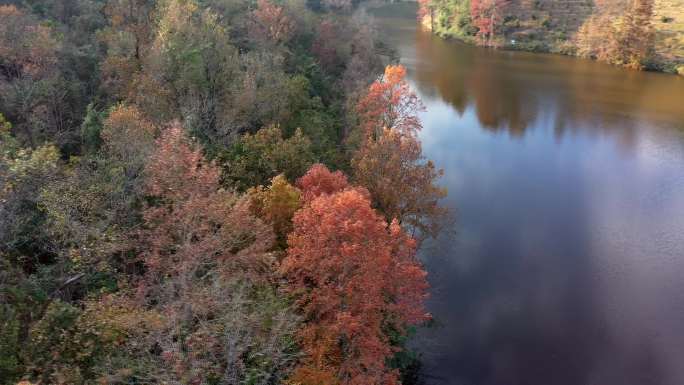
627	33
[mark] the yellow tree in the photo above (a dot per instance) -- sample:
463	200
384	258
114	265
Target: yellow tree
276	204
636	40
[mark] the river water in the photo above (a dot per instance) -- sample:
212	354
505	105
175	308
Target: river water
566	262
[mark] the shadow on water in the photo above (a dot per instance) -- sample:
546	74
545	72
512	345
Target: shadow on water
567	263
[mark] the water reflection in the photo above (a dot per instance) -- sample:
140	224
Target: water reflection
510	89
567	263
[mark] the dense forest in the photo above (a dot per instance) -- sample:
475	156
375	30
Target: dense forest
208	192
638	34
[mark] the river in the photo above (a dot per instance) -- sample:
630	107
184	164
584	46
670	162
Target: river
565	265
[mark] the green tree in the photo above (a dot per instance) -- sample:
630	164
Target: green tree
91	211
255	159
91	129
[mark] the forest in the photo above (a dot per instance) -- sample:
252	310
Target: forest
637	34
208	192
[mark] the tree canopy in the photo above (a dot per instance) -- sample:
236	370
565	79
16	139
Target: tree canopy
168	213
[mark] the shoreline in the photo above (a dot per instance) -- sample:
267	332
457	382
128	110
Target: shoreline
528	41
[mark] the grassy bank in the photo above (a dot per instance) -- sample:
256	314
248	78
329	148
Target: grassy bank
641	34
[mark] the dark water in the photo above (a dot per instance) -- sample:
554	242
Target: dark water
567	263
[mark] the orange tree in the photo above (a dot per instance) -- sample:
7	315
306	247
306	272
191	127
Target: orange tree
356	277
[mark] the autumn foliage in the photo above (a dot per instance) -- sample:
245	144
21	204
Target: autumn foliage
636	40
276	204
423	9
35	56
324	45
355	277
390	103
271	23
319	180
401	182
487	16
195	220
389	163
127	134
165	212
208	260
627	41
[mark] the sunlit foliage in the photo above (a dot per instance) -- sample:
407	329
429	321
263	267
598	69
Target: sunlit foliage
487	16
390	103
389	162
156	175
276	204
355	277
319	180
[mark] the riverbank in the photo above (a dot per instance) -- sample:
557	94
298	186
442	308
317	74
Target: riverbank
646	34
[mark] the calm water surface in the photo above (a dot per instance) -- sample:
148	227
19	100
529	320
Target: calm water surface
566	265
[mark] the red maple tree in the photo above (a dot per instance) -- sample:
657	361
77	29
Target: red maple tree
319	180
487	16
356	277
390	103
389	162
